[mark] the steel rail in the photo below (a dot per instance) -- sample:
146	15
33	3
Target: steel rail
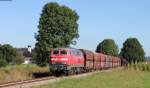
7	84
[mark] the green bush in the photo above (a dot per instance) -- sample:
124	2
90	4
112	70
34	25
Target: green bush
9	55
135	66
147	68
143	67
3	63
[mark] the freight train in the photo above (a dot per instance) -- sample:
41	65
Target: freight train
70	61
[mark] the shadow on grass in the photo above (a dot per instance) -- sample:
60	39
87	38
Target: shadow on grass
41	74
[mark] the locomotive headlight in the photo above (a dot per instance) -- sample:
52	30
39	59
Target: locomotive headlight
54	59
64	59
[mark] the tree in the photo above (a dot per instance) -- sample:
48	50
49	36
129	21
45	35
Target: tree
132	50
107	46
57	28
9	55
3	62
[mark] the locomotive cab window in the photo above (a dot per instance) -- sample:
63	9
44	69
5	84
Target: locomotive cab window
63	52
78	54
55	52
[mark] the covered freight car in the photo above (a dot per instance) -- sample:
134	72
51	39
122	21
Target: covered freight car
108	62
102	60
97	61
89	59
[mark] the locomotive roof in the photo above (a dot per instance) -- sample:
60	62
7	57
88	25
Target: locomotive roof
67	48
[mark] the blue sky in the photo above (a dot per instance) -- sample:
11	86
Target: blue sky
99	19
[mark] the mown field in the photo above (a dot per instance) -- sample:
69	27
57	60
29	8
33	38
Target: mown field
128	78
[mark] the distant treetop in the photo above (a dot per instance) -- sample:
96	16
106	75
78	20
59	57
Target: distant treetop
132	50
107	46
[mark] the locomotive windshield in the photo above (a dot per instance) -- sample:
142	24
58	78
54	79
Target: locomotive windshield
55	52
61	52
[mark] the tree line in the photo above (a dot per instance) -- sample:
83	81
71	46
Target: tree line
132	51
58	27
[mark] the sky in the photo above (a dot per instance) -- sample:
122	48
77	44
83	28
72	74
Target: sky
99	20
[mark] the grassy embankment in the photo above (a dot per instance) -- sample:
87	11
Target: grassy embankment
20	72
134	76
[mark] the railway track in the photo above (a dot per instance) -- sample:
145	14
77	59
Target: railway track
44	80
22	83
40	81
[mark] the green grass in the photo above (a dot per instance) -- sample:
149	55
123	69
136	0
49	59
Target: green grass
117	79
139	66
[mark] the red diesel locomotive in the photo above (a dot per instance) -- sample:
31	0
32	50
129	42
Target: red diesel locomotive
70	60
